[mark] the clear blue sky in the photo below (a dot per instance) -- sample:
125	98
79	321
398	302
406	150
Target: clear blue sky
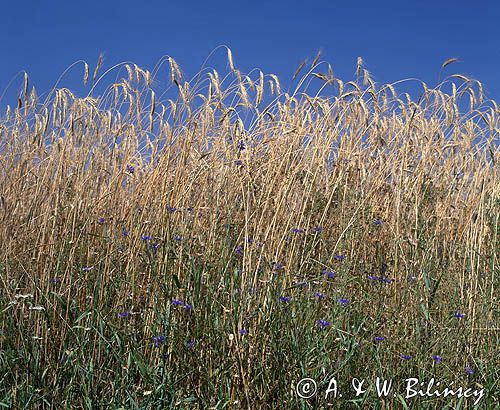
397	39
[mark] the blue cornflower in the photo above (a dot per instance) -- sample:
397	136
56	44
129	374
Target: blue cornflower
177	302
243	332
171	209
378	222
101	220
458	315
437	358
130	169
317	229
155	245
87	268
320	295
379	279
303	284
187	306
278	266
297	230
146	237
329	273
177	238
241	145
191	343
344	302
469	370
323	323
238	162
125	233
159	340
285	299
405	357
239	250
339	257
378	338
124	314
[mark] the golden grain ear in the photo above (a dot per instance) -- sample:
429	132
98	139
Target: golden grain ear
26	84
359	65
86	74
98	66
316	59
449	61
297	71
230	58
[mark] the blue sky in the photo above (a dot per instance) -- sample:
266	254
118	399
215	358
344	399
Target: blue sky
397	39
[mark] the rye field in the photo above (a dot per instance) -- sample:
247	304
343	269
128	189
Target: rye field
210	243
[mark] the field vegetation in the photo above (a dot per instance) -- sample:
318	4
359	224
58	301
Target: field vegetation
208	243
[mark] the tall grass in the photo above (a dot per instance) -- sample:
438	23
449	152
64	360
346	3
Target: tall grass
206	244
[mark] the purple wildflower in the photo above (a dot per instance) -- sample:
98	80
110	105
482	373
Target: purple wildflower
159	340
155	245
297	230
285	299
130	169
177	238
317	229
339	257
101	220
303	284
323	323
187	306
278	266
344	302
437	358
320	295
124	314
243	332
329	273
469	370
191	343
458	315
405	357
239	250
378	338
125	233
177	302
171	209
378	222
146	237
241	145
87	268
238	162
379	279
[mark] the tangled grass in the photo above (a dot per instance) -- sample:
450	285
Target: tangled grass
206	244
